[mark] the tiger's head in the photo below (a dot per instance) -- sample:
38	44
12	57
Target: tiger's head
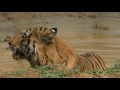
14	43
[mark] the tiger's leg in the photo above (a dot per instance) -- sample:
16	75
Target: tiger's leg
33	60
71	63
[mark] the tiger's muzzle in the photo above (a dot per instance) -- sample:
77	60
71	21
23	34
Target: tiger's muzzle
17	54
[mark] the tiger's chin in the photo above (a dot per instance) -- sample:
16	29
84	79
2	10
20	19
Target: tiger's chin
18	57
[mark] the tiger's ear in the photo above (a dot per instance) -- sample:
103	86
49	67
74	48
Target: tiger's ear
54	30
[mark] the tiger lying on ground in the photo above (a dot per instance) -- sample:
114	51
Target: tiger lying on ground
41	46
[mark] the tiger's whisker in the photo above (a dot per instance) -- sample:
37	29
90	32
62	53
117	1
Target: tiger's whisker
21	63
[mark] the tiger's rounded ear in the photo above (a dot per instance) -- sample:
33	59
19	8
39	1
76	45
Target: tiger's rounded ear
54	30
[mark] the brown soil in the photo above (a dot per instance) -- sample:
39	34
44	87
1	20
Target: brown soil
29	74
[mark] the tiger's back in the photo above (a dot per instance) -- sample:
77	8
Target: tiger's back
91	61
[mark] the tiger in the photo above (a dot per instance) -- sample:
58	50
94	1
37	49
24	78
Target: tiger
49	48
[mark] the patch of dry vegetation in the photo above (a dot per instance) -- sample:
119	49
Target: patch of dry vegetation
50	72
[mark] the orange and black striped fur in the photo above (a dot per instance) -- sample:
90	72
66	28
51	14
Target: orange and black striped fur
90	61
48	48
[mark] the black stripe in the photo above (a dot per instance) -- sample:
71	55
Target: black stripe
45	29
33	52
40	29
20	45
34	45
29	29
26	30
27	43
29	58
29	36
28	51
24	45
24	34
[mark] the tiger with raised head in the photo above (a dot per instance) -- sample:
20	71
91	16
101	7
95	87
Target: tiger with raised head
42	46
24	49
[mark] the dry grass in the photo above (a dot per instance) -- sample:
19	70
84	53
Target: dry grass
50	72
